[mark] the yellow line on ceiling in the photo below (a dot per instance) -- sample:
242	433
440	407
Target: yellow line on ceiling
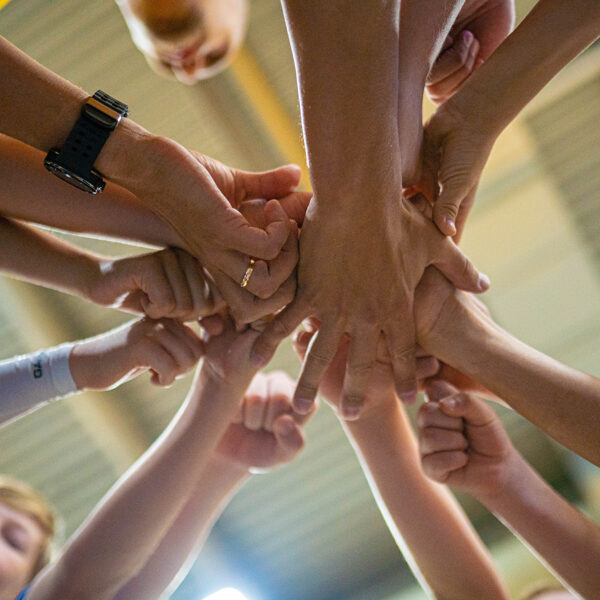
267	105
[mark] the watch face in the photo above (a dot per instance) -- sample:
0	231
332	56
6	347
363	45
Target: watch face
74	179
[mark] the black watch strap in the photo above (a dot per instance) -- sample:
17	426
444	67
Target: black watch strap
88	136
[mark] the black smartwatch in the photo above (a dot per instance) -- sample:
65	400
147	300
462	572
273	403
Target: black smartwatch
74	162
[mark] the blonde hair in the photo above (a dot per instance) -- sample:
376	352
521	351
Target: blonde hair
21	497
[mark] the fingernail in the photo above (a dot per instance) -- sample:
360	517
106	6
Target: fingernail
303	405
449	225
484	282
467	37
409	397
258	361
351	413
449	403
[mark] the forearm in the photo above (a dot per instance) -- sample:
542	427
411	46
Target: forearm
30	193
33	255
346	57
566	540
129	523
562	401
551	35
179	548
426	521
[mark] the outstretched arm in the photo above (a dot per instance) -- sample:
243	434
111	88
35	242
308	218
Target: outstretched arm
427	523
265	433
119	536
464	445
562	401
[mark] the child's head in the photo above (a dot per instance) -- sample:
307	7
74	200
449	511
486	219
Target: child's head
27	527
194	39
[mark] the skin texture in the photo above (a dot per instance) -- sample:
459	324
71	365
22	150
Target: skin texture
463	444
435	537
363	247
20	542
460	135
191	40
563	402
196	196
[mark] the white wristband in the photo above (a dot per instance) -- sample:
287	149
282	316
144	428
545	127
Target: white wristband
28	381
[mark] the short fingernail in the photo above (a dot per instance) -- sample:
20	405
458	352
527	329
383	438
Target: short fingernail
467	36
449	403
450	225
258	360
303	405
484	282
409	397
350	413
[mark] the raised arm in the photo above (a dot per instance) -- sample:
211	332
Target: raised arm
460	135
498	476
363	248
195	195
562	401
435	536
265	433
119	536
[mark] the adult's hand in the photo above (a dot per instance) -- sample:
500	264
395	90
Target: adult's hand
199	197
479	29
358	276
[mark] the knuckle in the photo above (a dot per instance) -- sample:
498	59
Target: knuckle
403	356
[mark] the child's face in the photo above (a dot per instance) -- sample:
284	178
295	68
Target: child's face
213	32
20	542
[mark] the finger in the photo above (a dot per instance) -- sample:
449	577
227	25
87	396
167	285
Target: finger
440	466
430	415
160	361
150	277
254	411
177	347
213	324
300	341
200	292
442	89
256	242
401	342
427	367
295	205
438	389
434	439
319	354
455	265
186	336
175	274
268	184
359	367
289	436
279	328
463	212
475	412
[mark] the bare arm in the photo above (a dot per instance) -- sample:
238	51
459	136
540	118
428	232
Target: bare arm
30	193
436	538
562	401
120	535
464	444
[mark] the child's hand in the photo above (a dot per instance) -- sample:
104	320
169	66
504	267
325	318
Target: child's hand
266	432
166	347
463	443
381	388
169	283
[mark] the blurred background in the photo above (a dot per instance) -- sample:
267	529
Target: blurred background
311	531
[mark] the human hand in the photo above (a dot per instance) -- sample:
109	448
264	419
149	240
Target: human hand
357	276
463	443
169	283
381	384
266	431
199	198
166	348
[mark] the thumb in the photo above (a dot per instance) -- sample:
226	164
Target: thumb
295	205
289	436
260	243
455	265
269	184
472	410
438	389
447	205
